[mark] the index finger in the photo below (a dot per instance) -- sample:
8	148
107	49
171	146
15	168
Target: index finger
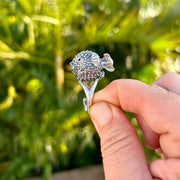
158	107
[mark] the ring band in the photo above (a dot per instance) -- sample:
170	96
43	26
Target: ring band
89	91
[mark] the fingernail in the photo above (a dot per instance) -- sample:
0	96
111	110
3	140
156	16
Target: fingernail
101	114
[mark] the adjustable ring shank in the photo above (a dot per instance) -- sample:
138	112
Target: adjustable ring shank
89	91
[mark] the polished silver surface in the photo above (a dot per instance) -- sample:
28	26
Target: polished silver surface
87	67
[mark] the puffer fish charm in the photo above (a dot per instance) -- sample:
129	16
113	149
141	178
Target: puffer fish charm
87	66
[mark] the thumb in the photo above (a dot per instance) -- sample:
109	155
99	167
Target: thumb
122	152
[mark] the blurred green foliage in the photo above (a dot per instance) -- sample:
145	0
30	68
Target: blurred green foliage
43	126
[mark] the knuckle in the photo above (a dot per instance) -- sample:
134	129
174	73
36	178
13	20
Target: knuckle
170	75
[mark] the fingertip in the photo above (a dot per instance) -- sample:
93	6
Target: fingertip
156	168
101	114
165	168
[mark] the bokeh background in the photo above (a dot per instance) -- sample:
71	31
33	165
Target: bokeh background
43	125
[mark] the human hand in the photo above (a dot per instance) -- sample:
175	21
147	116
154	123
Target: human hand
157	110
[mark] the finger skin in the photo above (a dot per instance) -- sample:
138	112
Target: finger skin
122	152
150	101
151	138
158	107
168	169
170	82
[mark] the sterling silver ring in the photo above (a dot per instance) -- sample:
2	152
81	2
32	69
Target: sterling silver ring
87	67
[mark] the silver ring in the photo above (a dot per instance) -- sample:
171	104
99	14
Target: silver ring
87	67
